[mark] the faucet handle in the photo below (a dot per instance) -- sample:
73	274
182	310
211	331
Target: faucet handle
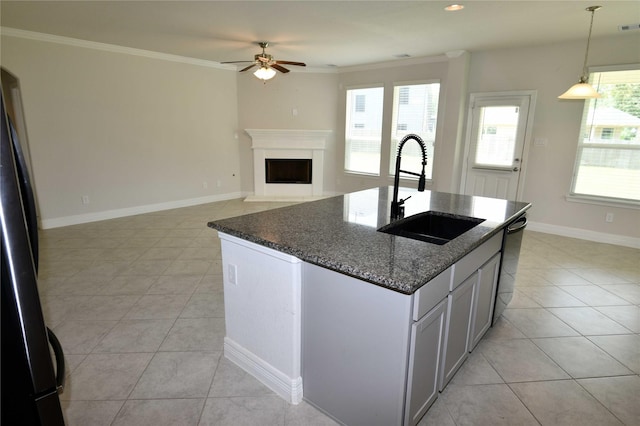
401	201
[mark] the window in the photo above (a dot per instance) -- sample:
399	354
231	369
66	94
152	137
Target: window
608	157
415	110
497	145
363	133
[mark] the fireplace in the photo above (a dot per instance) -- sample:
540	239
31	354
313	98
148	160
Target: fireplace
287	164
288	170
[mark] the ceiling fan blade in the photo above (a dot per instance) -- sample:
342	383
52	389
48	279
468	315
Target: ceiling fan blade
234	62
279	68
247	68
300	64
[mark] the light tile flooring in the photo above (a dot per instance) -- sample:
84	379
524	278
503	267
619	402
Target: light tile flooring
137	303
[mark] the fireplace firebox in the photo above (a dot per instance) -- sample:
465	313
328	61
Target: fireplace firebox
288	170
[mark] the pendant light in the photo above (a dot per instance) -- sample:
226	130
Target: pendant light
265	73
583	90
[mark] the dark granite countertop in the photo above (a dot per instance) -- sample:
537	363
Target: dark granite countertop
340	233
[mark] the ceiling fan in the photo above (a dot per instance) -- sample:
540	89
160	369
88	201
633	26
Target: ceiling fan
266	63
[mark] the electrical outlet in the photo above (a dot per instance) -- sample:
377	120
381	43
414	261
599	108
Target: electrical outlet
233	273
608	218
85	199
205	185
219	183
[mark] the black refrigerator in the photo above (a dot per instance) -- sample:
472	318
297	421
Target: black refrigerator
31	377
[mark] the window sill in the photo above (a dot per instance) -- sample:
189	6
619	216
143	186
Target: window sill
601	201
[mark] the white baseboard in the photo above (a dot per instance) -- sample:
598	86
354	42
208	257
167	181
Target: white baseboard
131	211
584	234
288	388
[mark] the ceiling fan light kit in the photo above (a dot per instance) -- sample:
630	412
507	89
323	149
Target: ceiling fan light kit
267	65
265	73
582	89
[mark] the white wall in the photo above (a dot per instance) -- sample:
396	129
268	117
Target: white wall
133	133
550	70
271	105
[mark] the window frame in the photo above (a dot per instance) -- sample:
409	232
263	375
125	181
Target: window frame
380	86
580	146
392	146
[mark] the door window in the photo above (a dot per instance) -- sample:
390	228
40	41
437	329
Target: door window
497	136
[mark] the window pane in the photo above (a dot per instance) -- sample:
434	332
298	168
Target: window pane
363	130
415	110
608	161
497	136
613	173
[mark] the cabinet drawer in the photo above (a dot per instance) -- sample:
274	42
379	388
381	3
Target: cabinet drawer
474	260
430	294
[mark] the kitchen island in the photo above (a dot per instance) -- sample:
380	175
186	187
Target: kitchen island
365	325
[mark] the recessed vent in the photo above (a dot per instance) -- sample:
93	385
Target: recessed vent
286	170
630	27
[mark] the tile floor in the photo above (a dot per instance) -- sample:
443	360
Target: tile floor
137	303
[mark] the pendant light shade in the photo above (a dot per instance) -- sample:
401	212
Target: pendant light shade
265	73
580	91
583	90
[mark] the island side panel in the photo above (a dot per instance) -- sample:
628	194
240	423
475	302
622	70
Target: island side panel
262	297
355	347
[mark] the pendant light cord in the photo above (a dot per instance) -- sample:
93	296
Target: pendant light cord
591	9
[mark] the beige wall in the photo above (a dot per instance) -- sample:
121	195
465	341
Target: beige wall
127	131
271	105
135	131
551	70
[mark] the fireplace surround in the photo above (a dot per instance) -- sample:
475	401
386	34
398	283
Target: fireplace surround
292	146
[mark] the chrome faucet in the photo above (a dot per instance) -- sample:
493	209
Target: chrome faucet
397	209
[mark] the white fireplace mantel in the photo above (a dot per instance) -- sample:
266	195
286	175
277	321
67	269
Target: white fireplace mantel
287	143
288	139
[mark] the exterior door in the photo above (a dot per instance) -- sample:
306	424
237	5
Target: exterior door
496	135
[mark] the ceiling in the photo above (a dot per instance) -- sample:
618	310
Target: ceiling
320	33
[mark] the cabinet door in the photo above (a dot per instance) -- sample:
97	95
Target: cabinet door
427	336
458	328
484	299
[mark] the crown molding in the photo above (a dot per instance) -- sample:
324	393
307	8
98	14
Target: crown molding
68	41
395	63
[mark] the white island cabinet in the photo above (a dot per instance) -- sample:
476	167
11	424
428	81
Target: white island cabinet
362	353
262	293
367	326
470	304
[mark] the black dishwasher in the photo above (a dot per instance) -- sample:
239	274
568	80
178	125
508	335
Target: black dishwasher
512	240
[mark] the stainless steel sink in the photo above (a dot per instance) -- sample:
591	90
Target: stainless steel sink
432	227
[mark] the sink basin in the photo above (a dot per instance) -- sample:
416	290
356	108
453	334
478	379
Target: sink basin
432	227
